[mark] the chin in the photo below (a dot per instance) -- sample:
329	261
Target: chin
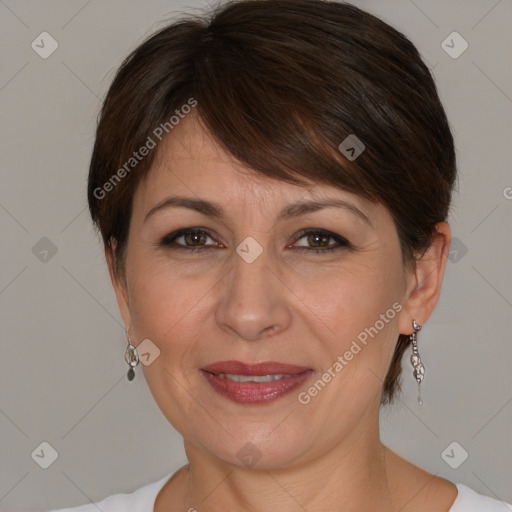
258	450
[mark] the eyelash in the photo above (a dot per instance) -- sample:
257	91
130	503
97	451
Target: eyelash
169	239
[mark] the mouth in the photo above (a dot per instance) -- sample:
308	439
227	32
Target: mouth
255	384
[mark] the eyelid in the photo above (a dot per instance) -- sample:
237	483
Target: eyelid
169	239
341	240
325	232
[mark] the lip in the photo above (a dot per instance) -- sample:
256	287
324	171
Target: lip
265	368
255	392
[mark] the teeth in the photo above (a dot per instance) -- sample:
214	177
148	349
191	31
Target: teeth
253	378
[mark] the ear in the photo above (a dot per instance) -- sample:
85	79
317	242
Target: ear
424	283
119	284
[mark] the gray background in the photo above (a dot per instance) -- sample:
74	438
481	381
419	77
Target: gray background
63	374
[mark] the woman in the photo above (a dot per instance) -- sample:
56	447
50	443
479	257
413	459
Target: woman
272	186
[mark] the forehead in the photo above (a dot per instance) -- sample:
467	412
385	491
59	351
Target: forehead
189	141
191	162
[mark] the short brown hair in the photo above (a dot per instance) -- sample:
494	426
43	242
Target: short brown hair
280	84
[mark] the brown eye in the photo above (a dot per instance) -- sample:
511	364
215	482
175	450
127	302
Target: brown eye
187	239
194	237
318	240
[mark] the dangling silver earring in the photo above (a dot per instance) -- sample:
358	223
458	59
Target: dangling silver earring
419	369
131	357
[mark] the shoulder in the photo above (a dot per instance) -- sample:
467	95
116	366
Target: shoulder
141	500
435	493
469	500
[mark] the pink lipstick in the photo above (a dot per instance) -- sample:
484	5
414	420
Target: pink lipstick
255	383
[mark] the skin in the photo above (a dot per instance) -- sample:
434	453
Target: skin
297	308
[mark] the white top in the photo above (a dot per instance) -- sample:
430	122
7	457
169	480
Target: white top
143	500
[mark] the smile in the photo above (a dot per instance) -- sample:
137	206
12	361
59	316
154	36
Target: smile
254	383
254	378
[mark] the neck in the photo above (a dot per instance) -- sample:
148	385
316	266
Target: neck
351	476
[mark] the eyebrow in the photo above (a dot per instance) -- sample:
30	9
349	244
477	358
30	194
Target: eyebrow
293	210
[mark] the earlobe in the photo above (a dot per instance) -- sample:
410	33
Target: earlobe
424	283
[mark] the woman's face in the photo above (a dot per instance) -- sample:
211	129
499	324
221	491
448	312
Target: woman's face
254	290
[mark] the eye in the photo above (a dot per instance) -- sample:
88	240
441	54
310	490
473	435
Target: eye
189	239
320	238
194	240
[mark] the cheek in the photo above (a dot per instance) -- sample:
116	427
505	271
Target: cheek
337	300
358	294
171	309
156	298
361	308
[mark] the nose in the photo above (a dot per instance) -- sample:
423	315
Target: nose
254	300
